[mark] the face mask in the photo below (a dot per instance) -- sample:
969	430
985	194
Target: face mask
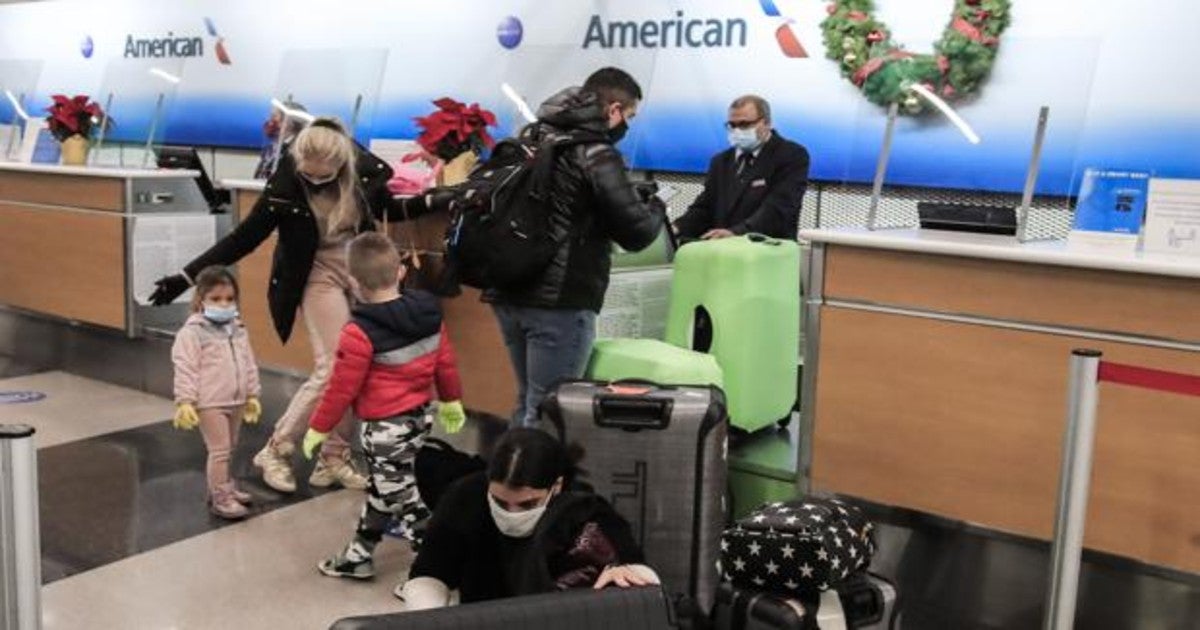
220	314
617	133
516	524
744	139
318	186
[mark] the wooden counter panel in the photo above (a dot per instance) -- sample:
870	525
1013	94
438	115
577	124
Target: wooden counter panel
966	421
72	191
1155	306
64	263
489	384
254	275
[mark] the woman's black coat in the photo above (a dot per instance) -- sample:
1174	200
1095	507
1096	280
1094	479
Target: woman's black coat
284	206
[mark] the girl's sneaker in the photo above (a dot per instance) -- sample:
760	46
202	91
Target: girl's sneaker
245	498
222	503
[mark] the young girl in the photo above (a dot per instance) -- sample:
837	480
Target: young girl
216	382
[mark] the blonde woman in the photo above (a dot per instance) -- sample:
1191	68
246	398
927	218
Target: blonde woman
325	190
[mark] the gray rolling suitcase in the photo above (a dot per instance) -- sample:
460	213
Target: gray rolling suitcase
657	453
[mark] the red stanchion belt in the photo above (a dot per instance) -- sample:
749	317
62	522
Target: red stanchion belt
1161	380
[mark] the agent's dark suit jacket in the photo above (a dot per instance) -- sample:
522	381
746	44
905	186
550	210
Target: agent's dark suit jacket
765	200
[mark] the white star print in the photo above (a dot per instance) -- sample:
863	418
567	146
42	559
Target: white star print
788	551
792	585
791	520
837	541
724	545
853	552
772	568
836	563
759	581
755	548
822	554
817	519
760	518
739	564
806	571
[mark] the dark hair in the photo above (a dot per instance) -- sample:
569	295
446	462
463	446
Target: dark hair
613	85
210	278
534	459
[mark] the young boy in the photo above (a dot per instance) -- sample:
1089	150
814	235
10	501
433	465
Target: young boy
390	356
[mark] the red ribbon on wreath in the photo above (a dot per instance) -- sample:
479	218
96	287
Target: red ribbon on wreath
875	65
971	32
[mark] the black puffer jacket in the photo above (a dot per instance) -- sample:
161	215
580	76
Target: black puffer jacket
595	205
284	206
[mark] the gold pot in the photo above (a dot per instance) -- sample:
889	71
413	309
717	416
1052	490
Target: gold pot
75	150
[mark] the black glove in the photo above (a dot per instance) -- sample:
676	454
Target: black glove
167	288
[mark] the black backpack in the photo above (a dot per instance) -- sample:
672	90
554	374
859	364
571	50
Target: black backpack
499	235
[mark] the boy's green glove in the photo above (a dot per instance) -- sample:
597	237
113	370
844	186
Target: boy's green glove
312	439
452	416
186	417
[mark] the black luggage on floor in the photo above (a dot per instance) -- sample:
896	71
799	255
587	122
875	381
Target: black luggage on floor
797	548
862	602
658	454
580	609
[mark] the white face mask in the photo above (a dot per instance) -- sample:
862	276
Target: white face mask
516	524
744	139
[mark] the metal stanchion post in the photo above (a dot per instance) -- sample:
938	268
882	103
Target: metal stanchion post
1074	479
20	549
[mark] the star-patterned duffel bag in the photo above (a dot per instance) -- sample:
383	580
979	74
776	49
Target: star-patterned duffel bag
798	547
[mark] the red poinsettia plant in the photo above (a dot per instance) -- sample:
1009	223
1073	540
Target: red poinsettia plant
455	128
71	116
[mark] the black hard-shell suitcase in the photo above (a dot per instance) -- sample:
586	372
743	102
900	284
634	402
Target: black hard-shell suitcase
862	602
644	608
658	454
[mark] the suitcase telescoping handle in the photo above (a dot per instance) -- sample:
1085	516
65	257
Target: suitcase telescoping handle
632	413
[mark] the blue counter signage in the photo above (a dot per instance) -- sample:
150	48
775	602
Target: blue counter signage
1112	201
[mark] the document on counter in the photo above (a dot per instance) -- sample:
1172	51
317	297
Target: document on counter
1173	217
162	245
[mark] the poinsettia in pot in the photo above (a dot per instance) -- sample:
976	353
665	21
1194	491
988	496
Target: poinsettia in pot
456	134
72	121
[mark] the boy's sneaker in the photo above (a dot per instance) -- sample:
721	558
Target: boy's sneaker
331	470
245	498
276	467
341	566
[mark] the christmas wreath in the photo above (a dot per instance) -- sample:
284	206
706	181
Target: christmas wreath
884	70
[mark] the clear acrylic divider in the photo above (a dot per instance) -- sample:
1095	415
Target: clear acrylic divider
18	108
136	96
975	150
339	82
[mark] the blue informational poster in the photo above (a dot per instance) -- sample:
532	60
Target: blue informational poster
1112	201
47	150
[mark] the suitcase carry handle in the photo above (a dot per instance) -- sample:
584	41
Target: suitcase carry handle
632	413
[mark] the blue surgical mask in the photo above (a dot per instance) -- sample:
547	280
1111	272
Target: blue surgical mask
744	139
220	314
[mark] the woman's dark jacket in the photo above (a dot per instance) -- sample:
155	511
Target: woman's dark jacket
463	548
284	206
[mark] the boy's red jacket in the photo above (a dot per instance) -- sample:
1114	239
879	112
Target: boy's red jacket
390	356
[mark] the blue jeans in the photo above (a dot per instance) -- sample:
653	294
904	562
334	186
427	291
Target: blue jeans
546	346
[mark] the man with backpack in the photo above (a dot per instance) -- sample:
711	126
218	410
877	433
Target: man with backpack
542	247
